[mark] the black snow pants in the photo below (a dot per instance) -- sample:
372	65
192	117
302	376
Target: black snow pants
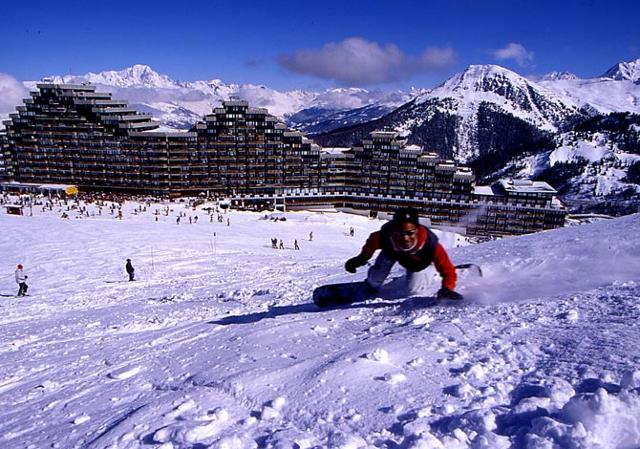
22	290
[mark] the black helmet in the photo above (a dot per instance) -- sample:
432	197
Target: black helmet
406	215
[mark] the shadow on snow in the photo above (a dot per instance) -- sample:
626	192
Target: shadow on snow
407	304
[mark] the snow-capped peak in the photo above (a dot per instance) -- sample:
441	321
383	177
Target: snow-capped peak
558	76
478	94
482	78
494	84
138	75
624	71
347	90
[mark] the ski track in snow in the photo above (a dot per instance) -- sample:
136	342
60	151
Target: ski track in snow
217	343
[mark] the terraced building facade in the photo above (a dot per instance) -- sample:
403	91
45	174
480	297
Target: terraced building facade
71	134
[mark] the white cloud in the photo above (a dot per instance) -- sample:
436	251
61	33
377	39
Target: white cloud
356	62
12	92
514	51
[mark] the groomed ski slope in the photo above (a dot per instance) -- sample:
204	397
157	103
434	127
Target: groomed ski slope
217	344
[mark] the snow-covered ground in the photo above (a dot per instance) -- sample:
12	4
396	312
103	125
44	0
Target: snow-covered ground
217	344
604	174
601	95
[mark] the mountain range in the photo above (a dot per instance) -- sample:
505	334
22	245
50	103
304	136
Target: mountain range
179	105
496	120
583	136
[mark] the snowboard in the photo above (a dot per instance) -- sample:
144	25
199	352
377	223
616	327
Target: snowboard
344	293
341	294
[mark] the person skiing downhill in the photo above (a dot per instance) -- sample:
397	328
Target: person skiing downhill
21	280
405	241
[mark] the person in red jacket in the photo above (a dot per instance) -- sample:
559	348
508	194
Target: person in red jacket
405	241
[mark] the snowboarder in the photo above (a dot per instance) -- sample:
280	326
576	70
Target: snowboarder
351	232
295	244
405	241
130	270
281	244
21	280
311	236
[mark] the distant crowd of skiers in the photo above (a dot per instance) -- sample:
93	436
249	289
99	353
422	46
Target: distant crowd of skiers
402	240
112	203
279	244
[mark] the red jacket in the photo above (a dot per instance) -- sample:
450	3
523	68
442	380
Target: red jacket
440	257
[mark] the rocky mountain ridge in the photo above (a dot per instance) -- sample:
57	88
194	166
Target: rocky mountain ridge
625	71
478	111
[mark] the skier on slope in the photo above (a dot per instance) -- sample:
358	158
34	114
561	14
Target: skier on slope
130	270
21	280
405	241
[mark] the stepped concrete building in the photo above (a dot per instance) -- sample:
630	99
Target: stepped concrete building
383	173
71	134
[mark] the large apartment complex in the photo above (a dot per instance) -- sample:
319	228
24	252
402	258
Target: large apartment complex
71	134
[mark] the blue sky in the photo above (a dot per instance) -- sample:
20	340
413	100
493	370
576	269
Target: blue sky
312	44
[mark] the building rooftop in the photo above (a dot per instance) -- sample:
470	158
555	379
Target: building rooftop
84	87
235	102
525	186
383	134
483	190
164	132
335	150
464	172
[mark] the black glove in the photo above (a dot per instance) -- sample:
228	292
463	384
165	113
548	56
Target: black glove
352	264
445	293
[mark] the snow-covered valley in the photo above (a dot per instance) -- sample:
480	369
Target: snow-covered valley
217	343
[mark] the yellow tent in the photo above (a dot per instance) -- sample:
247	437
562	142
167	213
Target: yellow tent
71	190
